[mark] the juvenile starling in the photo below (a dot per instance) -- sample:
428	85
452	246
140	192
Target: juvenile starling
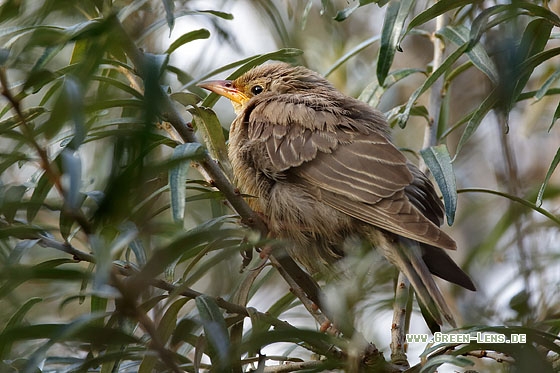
324	170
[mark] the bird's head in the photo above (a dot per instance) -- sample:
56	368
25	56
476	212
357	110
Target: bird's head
267	80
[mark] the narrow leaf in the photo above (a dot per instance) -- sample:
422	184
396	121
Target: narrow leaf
15	321
551	169
165	328
535	39
514	198
393	24
341	15
187	38
459	35
207	122
439	162
169	6
217	13
555	116
215	330
373	92
547	84
178	177
357	49
186	98
476	119
72	168
439	8
446	65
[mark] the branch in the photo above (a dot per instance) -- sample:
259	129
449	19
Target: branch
399	324
127	292
497	356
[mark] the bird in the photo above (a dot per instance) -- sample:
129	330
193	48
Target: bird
323	169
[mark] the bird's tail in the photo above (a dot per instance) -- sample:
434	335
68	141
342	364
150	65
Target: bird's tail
406	255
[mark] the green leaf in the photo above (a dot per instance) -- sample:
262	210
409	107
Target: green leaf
165	328
555	116
169	6
395	16
14	322
25	273
77	330
69	105
119	85
535	39
207	122
169	320
139	251
215	331
433	363
188	244
439	8
346	12
519	200
187	38
481	23
178	177
439	162
446	65
185	98
10	9
37	79
224	15
46	331
373	92
459	35
476	118
72	168
10	201
546	86
549	173
357	49
128	232
20	249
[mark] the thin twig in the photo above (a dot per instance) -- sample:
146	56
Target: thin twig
295	366
497	356
398	326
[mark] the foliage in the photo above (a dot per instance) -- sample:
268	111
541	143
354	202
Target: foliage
112	212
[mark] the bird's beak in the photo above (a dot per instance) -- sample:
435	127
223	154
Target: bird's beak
225	88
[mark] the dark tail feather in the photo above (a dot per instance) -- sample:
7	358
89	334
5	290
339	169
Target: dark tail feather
406	255
441	265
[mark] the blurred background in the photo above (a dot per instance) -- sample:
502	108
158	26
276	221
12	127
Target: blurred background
88	166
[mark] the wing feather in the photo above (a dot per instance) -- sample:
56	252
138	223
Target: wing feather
351	164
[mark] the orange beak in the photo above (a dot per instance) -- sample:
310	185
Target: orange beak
225	88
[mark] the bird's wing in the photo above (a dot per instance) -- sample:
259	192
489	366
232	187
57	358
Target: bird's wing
376	195
353	168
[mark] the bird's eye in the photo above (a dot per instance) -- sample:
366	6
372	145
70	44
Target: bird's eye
256	89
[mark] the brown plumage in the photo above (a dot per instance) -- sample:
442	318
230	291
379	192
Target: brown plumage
323	170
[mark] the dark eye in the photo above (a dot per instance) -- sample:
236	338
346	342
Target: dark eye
256	89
